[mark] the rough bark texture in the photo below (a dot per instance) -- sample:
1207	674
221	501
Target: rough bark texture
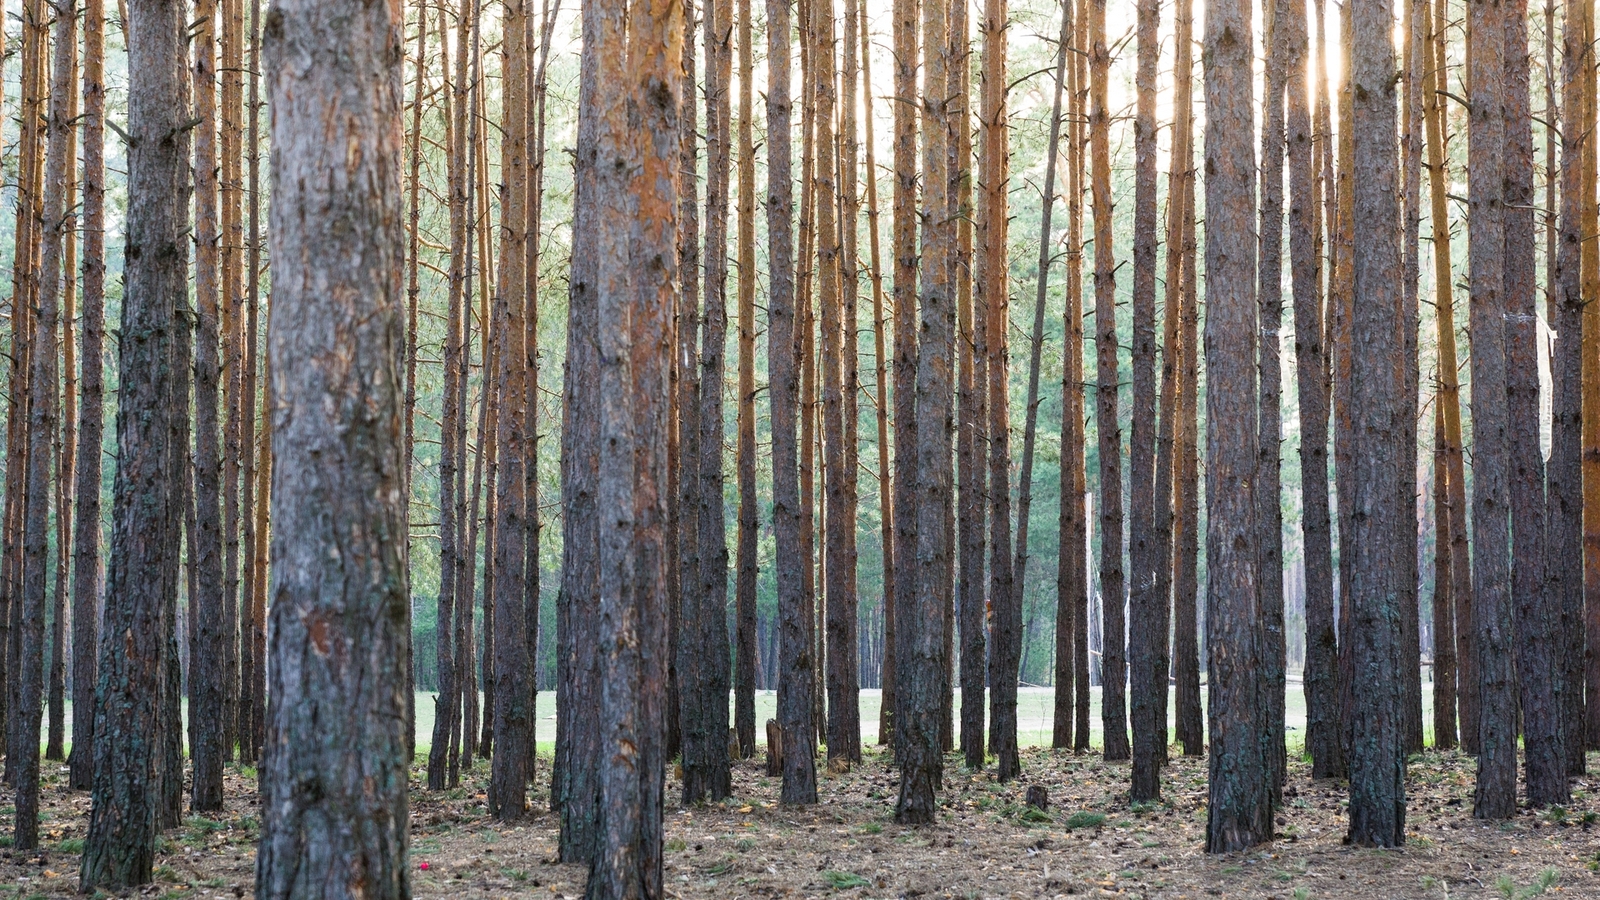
1069	559
904	248
1147	633
796	663
1564	484
1407	520
1305	266
122	824
575	789
91	409
1377	752
507	639
1240	807
1451	577
1185	451
1113	664
1496	796
706	773
921	681
1269	385
1006	579
334	779
206	685
746	560
1538	650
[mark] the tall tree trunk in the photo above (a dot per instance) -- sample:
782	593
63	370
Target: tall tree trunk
1305	266
1377	748
122	827
1113	665
1148	633
1061	735
1564	485
1070	572
706	772
904	247
1538	650
633	369
747	560
66	439
1407	529
1491	566
507	641
259	497
923	655
1269	386
251	709
91	409
1182	307
850	359
1006	573
575	788
1589	217
1081	528
796	664
413	288
43	421
1449	470
683	439
336	233
958	213
206	685
1240	808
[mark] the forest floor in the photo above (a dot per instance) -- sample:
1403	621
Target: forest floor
1091	842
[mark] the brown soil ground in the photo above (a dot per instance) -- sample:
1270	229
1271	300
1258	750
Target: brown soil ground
1091	842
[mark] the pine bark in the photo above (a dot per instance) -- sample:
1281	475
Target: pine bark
1240	806
1070	570
638	281
705	734
923	659
1589	216
1147	632
339	629
796	663
91	410
1180	372
507	640
575	789
1538	648
1305	266
1495	797
1453	473
1564	485
1269	380
747	552
1377	747
1007	564
904	247
1113	665
122	825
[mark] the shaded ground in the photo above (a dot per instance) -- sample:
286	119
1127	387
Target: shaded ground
1090	843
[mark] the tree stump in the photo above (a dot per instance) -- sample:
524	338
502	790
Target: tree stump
774	748
1038	797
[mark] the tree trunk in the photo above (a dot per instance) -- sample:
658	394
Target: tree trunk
1539	654
972	485
904	247
1182	307
1491	566
1069	558
91	409
1305	265
1269	381
507	641
1113	665
1589	217
122	828
65	442
1564	485
992	263
1377	748
706	772
1062	726
639	150
922	659
796	663
1147	634
747	558
339	630
1240	807
1082	528
1449	400
206	685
